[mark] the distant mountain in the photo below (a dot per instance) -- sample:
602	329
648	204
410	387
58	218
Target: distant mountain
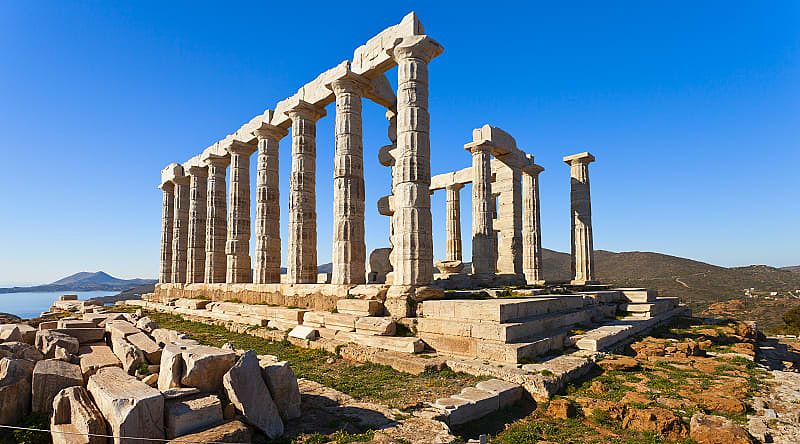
84	281
793	268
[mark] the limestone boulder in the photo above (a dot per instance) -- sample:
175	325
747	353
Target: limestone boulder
84	335
372	325
190	415
233	431
204	367
15	389
146	324
171	367
120	328
282	384
656	420
21	350
50	376
151	350
48	340
94	357
128	354
74	415
131	407
247	391
711	429
561	409
618	363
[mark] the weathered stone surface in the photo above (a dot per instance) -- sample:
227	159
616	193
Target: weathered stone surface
171	367
189	415
74	414
561	409
151	379
657	420
371	325
710	429
205	366
15	389
128	354
94	357
75	323
508	393
146	324
282	384
248	392
359	307
50	376
581	207
48	340
131	407
83	335
150	349
21	350
233	431
303	332
121	328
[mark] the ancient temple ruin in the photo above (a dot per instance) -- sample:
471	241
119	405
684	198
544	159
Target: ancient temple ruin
509	313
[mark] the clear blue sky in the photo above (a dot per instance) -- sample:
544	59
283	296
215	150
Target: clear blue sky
691	108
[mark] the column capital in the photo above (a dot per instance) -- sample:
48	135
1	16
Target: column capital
197	171
239	147
305	110
533	169
417	47
216	160
454	186
349	82
167	187
580	158
267	131
181	180
479	146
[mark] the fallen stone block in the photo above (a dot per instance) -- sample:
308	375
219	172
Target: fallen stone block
15	389
359	307
508	393
75	323
282	384
191	415
233	432
121	328
249	393
340	321
151	350
94	357
75	413
279	324
48	325
50	376
128	354
21	350
381	326
48	340
303	332
146	324
205	366
131	407
151	379
192	304
112	317
479	404
83	335
171	367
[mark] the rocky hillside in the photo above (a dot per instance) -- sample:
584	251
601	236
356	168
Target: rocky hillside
84	281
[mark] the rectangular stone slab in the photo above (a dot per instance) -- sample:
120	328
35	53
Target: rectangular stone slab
94	357
84	335
131	407
359	307
150	349
189	415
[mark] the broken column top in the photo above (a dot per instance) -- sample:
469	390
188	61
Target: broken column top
171	172
584	157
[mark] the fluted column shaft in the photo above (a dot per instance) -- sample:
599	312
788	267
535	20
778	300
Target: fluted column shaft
453	209
267	268
581	215
484	249
349	246
196	256
413	246
216	223
237	248
301	257
531	226
167	222
180	231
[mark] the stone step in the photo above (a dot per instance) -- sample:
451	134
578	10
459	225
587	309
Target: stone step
502	310
405	344
638	294
359	307
608	335
496	351
650	309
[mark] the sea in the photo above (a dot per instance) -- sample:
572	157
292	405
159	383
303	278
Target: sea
31	305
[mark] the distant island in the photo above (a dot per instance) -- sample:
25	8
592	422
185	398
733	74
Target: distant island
84	281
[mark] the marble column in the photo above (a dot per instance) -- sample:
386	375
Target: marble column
216	223
531	226
167	222
507	188
196	255
484	249
301	257
581	209
349	246
453	209
413	246
237	248
180	229
267	269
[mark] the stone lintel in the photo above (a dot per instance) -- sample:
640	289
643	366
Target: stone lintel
533	170
584	157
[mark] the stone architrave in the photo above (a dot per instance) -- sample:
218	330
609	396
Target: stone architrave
167	222
301	257
267	268
180	231
196	255
413	237
237	248
216	223
531	226
349	247
484	250
581	215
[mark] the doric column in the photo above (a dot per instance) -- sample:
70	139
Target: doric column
484	250
349	247
413	247
454	221
196	256
267	268
507	187
167	222
237	248
301	259
216	223
180	229
531	226
581	209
